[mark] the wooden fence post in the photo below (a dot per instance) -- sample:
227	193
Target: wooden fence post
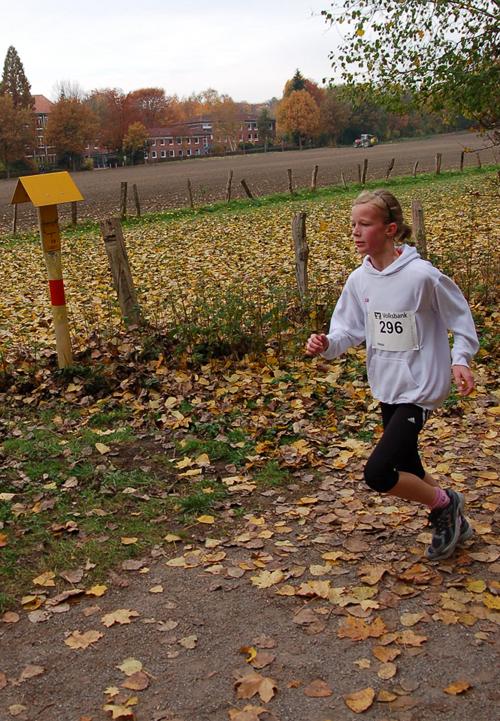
74	214
123	200
419	235
365	170
136	200
389	169
120	270
228	186
462	156
301	253
290	181
359	173
314	178
415	169
342	178
14	220
190	193
439	157
478	158
246	188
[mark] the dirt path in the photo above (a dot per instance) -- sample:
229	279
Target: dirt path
409	629
164	185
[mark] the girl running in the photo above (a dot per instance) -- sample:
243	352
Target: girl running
403	308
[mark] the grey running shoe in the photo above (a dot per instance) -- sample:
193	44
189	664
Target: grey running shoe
466	530
446	524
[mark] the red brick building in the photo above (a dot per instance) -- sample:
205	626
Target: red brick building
200	136
43	155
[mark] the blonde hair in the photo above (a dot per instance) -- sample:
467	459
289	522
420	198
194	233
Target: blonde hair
389	206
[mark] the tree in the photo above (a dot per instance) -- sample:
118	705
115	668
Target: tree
107	105
135	140
147	106
16	132
70	128
335	114
298	82
14	81
441	53
226	126
298	115
264	127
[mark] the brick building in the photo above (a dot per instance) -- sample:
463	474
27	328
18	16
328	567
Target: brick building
43	155
198	137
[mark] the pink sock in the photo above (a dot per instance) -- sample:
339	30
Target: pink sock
441	499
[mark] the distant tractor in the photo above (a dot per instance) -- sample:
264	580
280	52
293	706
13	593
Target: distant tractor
365	141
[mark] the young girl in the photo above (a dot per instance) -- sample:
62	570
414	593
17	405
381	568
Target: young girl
403	307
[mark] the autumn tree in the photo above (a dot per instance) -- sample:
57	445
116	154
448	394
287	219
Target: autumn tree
70	128
147	106
135	140
108	106
16	132
335	114
226	122
444	53
264	127
14	81
298	116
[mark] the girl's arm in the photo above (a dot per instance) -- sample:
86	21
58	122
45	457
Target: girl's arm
455	313
347	326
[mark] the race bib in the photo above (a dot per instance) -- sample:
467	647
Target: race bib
393	331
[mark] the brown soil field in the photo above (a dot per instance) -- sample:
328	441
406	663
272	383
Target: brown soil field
163	186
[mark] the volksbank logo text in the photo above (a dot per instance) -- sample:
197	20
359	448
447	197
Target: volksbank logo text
380	316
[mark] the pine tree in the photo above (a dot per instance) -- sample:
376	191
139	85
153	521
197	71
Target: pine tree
14	81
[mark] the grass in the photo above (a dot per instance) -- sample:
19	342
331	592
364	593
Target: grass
272	476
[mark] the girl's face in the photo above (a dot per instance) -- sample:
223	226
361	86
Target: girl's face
371	234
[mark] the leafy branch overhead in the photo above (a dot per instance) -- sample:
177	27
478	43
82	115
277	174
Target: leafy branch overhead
443	53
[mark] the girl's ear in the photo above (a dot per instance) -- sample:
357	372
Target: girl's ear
391	229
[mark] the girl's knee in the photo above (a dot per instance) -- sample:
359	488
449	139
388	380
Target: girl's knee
380	477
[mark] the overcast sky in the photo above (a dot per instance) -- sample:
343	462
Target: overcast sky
245	49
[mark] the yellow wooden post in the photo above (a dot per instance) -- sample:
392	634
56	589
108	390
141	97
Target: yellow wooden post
45	192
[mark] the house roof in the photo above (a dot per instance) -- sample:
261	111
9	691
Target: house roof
42	104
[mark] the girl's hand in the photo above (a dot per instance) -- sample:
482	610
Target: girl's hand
464	380
316	344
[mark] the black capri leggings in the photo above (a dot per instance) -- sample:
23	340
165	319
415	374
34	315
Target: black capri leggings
397	450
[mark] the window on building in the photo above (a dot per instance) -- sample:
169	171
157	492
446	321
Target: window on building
197	151
170	141
171	153
178	141
163	153
154	142
188	140
162	141
196	141
153	154
180	153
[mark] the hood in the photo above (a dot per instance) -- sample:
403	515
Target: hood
407	255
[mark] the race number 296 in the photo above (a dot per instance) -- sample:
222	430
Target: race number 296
393	331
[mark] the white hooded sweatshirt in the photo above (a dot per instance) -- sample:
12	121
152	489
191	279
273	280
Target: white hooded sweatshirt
404	312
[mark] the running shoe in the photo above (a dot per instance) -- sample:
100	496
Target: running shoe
466	530
446	527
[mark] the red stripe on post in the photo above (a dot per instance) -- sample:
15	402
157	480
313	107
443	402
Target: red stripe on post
57	292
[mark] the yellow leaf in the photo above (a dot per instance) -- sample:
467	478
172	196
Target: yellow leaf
457	687
79	640
119	713
130	666
185	462
206	519
98	590
265	579
410	619
360	32
31	603
3	540
102	448
491	601
189	642
128	541
360	701
171	538
45	579
121	616
475	585
387	670
156	589
251	651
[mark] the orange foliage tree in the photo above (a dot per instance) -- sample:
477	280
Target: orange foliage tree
298	116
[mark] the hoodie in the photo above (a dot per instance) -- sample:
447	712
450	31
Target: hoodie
404	313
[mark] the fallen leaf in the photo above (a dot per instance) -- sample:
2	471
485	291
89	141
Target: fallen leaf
206	519
130	666
45	579
386	653
119	713
266	579
102	448
253	683
457	687
79	640
360	701
189	642
97	590
410	619
318	689
17	709
137	681
31	672
248	713
121	616
3	680
128	541
387	670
